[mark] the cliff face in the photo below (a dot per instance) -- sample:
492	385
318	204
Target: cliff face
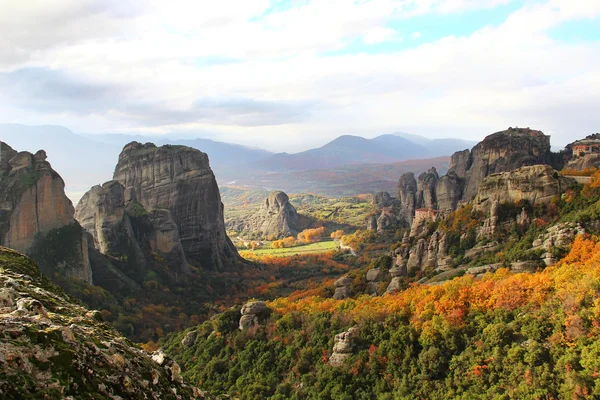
276	217
500	152
54	348
36	217
535	184
177	188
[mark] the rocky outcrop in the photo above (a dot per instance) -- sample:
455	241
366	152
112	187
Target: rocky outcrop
397	273
51	347
559	236
343	347
254	314
343	288
426	189
536	184
383	199
276	218
179	179
500	152
407	188
122	230
36	217
374	276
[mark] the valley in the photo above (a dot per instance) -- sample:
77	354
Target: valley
253	293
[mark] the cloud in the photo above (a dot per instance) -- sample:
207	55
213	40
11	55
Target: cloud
298	74
378	35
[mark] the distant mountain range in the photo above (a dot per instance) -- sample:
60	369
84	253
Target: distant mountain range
349	150
84	159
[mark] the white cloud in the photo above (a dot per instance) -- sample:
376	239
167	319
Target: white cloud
378	35
416	35
227	68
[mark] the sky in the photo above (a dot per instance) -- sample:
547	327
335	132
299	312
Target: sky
293	74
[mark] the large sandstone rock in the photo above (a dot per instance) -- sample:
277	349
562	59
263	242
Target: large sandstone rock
502	152
36	217
407	188
276	218
129	231
343	346
254	314
536	184
179	179
343	288
426	189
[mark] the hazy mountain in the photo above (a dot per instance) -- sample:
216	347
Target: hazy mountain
350	150
339	181
438	147
346	150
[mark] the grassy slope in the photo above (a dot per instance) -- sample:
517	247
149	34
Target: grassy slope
313	248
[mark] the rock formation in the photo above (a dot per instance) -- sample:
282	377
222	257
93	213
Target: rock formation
536	184
374	276
407	188
254	314
129	231
343	347
500	152
54	348
382	199
342	288
171	190
36	217
276	218
426	189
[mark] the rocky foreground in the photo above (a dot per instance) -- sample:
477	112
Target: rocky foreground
52	348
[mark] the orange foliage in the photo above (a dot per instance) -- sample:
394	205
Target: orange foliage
311	235
571	281
337	235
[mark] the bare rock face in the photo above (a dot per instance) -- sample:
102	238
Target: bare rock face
276	218
536	184
502	152
179	179
342	288
374	276
382	199
129	231
449	191
36	217
426	189
343	347
407	188
54	348
101	212
253	314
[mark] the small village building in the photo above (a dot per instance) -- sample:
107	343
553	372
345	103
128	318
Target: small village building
586	146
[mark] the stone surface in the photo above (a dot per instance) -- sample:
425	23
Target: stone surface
342	288
537	184
254	314
35	215
343	346
407	188
276	218
179	179
426	189
121	230
51	348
